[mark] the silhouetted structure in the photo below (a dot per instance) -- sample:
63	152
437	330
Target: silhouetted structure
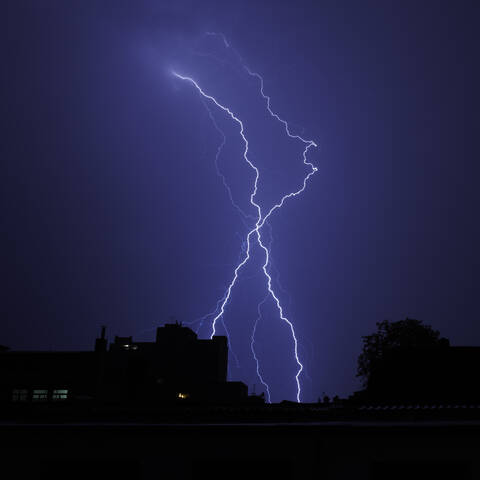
145	410
177	367
439	374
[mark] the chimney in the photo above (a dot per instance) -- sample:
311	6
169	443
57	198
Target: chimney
101	343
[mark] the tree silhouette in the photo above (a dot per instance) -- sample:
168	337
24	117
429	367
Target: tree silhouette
390	335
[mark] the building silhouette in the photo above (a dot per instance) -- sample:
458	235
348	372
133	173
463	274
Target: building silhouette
164	409
176	368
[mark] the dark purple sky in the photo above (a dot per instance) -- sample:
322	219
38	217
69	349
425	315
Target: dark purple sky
112	213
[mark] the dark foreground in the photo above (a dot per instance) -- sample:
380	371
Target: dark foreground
270	442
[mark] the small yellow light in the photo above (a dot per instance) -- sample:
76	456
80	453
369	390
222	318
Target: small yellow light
183	396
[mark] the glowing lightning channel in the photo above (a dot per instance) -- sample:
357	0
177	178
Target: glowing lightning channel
243	215
308	144
252	195
252	346
221	35
260	219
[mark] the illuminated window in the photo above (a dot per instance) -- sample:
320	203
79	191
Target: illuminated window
183	396
60	394
40	395
19	395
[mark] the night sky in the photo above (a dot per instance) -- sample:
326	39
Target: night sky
112	211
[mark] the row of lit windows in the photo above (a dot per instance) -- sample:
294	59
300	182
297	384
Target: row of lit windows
39	394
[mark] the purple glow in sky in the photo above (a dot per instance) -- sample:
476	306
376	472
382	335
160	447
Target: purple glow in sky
112	211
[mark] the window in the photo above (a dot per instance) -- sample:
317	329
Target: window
60	394
19	395
40	395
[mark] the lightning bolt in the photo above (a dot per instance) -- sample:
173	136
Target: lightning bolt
255	232
252	346
221	35
244	216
